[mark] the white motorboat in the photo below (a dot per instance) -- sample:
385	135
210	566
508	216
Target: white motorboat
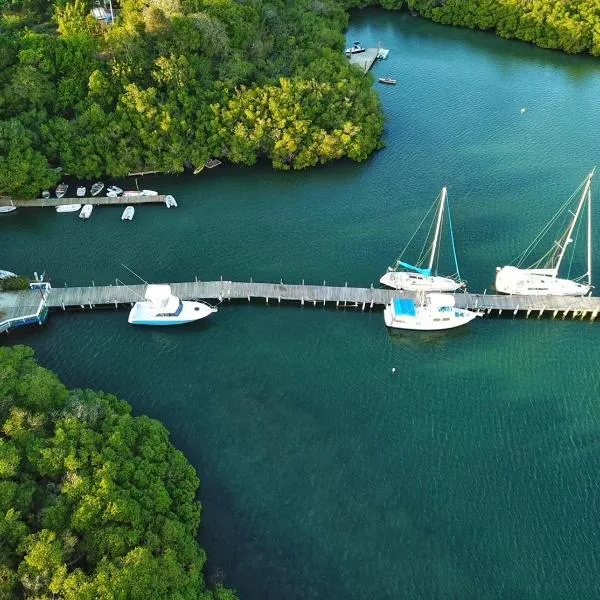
111	194
429	312
8	207
128	213
86	211
45	194
6	274
170	201
355	48
67	208
80	191
61	190
148	193
161	307
131	193
418	278
113	189
96	188
541	278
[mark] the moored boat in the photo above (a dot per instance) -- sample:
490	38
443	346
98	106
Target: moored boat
541	278
67	208
170	201
161	307
86	211
148	193
80	191
355	48
8	207
387	80
61	190
45	194
96	188
128	213
6	274
113	189
429	312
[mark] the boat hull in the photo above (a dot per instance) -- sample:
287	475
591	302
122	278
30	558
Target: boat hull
423	320
528	282
67	208
7	209
141	314
415	282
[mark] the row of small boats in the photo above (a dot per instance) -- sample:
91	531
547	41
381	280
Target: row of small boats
434	306
85	212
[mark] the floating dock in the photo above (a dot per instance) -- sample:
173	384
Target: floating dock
95	200
364	60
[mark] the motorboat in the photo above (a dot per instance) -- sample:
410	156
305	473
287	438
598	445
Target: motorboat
61	190
148	193
67	208
170	201
428	312
541	277
8	207
96	188
355	48
6	274
112	194
387	80
132	193
161	307
45	194
113	189
420	277
128	213
80	191
86	211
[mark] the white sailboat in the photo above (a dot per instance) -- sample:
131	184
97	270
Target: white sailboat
429	312
161	307
416	278
541	278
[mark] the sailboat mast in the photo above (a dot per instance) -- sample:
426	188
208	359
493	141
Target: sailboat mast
589	230
567	239
438	227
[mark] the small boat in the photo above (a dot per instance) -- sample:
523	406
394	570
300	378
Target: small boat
405	276
111	194
45	194
387	80
8	207
170	201
212	163
80	191
86	211
6	274
128	213
355	48
131	193
61	190
161	307
148	193
67	208
198	169
96	188
541	278
429	312
113	189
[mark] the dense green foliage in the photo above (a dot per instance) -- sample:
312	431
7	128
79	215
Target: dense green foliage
175	82
10	284
94	503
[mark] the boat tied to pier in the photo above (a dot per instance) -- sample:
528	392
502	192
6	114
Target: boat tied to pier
67	208
418	278
541	277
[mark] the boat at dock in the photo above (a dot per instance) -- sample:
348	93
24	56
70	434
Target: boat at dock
132	193
96	188
61	190
80	193
45	194
418	278
6	274
86	211
170	202
128	213
8	207
541	278
387	80
161	307
67	208
428	312
356	48
113	191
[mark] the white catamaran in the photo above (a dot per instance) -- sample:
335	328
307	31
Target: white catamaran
416	278
541	278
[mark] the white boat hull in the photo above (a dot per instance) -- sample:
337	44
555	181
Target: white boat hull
128	213
426	320
170	201
86	211
142	314
96	188
67	208
415	282
7	209
528	282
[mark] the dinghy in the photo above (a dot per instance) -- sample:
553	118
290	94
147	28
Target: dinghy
67	208
8	207
45	194
61	190
96	188
128	213
170	201
80	191
113	189
86	211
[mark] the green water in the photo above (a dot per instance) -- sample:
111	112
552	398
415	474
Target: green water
472	473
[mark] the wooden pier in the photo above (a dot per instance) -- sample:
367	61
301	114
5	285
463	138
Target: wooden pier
95	200
364	60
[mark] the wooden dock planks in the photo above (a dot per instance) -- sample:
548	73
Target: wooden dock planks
95	200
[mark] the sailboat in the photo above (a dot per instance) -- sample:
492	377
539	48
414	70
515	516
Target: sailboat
405	276
428	312
541	278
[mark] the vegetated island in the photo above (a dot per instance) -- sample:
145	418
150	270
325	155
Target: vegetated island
173	82
95	504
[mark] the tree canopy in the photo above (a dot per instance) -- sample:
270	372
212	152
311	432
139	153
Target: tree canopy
94	503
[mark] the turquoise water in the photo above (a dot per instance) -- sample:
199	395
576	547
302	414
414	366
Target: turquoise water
471	473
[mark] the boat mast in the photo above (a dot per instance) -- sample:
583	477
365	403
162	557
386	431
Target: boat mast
567	239
438	226
589	220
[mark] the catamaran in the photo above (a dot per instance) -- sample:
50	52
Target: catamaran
161	307
428	312
541	278
405	276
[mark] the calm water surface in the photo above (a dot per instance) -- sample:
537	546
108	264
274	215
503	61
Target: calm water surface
472	473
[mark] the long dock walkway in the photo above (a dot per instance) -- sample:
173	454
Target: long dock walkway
95	200
340	296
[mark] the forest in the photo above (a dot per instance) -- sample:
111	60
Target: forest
95	504
171	83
